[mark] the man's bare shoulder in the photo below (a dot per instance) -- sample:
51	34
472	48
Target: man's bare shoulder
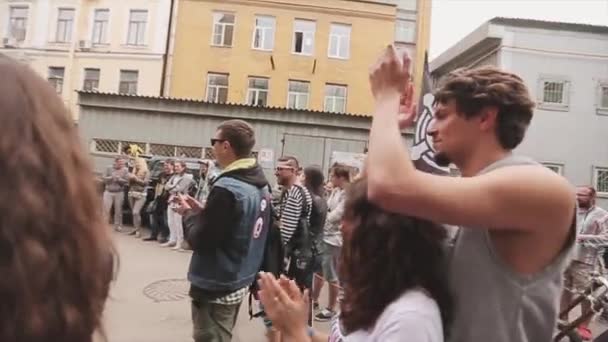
546	191
535	171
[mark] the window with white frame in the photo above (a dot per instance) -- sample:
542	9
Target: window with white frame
339	41
91	79
18	22
55	77
65	22
304	36
553	93
297	94
101	17
257	93
217	87
263	33
223	29
600	180
128	82
137	27
602	101
335	98
405	31
555	167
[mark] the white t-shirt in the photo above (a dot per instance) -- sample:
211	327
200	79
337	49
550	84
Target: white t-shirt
413	317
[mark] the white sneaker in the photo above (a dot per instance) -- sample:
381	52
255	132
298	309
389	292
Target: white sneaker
178	246
325	315
168	244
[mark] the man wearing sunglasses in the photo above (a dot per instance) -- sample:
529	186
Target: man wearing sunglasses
294	211
227	233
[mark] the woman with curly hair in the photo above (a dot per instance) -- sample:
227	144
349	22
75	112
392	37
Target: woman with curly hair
55	249
393	271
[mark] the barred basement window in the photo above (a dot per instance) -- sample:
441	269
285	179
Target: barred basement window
208	153
106	146
162	150
189	152
125	144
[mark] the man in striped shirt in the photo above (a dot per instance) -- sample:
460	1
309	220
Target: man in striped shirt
295	200
295	204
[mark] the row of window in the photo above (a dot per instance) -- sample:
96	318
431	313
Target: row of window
127	81
65	24
264	35
217	88
223	30
600	176
555	94
304	32
298	93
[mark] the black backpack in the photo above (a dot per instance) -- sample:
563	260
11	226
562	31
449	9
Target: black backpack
317	222
272	262
309	234
301	241
301	245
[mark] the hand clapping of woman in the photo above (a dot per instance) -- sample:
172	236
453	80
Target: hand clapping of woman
285	306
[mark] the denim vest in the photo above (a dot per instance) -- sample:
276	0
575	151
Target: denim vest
235	264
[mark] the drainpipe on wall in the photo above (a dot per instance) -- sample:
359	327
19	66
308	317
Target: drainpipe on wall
168	41
69	67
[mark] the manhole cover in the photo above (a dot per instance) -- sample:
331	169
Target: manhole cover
168	290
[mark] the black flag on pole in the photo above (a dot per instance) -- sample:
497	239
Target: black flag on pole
422	152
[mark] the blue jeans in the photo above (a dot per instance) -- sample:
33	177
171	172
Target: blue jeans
159	224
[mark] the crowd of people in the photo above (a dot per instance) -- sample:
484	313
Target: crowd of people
122	181
378	239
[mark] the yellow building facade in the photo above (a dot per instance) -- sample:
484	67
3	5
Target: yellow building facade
306	54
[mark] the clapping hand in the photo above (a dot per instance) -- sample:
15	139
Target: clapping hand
187	204
284	304
390	79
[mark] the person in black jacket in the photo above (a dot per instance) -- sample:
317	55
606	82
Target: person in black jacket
227	234
158	207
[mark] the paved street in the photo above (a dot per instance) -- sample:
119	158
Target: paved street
149	302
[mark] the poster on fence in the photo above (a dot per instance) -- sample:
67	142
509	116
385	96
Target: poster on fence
266	158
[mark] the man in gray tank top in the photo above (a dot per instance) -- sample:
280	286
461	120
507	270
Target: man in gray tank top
516	217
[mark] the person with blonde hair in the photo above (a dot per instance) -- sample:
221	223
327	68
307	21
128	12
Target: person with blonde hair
57	255
137	192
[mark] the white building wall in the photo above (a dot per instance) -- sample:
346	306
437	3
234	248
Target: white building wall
41	51
577	136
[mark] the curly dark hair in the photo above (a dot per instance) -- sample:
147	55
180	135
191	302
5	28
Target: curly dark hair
384	255
314	179
341	171
474	89
56	254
